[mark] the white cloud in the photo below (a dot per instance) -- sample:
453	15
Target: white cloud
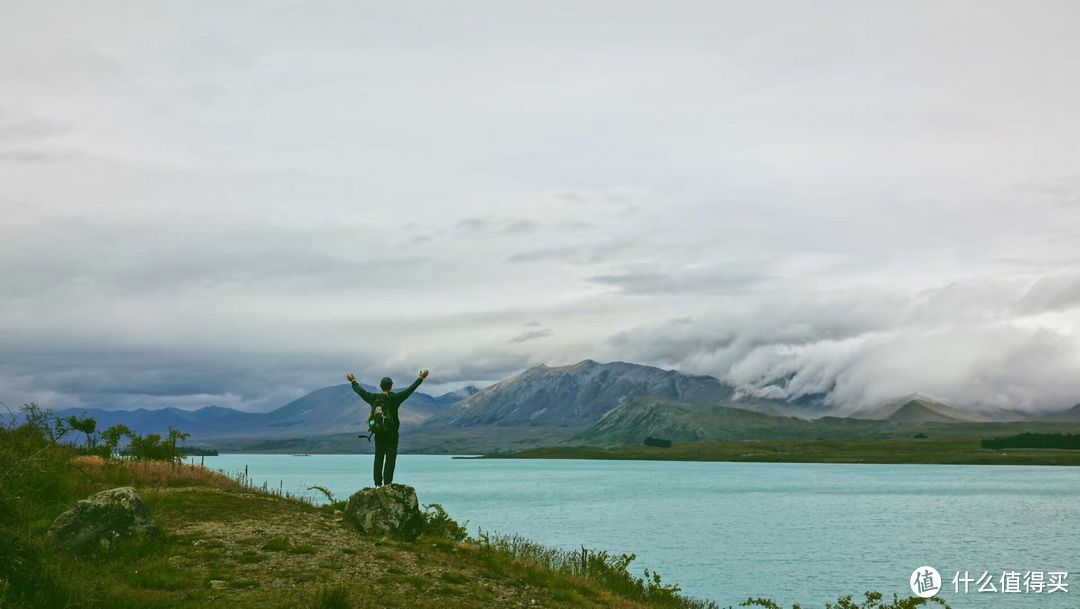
815	193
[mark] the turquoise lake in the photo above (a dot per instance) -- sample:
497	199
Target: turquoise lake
804	533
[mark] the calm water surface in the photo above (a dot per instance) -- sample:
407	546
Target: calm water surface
804	533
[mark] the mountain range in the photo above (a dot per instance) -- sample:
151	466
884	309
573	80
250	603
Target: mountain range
587	402
333	409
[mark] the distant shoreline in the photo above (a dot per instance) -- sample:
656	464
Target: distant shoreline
944	451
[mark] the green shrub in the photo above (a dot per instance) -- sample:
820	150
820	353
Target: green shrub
438	524
610	571
276	544
336	597
26	580
872	600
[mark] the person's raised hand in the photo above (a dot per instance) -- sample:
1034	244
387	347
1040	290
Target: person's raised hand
423	374
349	377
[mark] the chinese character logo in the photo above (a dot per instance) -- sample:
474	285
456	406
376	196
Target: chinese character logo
925	582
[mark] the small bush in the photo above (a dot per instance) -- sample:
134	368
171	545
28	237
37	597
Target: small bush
872	600
276	544
336	597
610	571
453	577
26	580
159	575
331	504
249	557
439	524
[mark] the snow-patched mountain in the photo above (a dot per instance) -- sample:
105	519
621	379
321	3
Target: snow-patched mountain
457	395
580	394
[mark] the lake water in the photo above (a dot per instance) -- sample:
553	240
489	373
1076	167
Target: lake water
804	533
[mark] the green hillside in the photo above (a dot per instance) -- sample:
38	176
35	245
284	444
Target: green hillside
631	423
954	450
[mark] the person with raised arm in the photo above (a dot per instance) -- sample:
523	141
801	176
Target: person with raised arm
384	422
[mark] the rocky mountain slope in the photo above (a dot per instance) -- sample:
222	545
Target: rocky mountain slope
580	394
638	419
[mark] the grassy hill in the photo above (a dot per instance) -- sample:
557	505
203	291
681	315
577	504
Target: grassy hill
632	422
413	440
223	543
945	450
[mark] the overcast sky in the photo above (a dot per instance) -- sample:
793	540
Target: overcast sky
221	205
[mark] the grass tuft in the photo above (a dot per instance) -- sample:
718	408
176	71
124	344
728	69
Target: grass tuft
335	597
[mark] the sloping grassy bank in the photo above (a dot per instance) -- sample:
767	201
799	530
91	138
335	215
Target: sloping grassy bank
224	544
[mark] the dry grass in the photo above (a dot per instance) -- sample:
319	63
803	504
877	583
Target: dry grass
154	473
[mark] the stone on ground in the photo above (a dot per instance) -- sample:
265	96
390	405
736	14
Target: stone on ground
390	510
99	521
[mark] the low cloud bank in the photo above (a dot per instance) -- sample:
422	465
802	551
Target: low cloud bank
978	345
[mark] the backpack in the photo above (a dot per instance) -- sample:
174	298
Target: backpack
377	420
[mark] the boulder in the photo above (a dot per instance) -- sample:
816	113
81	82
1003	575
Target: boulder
97	522
390	510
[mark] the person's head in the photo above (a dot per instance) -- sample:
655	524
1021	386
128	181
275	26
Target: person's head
386	384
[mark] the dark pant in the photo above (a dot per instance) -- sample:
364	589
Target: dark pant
385	449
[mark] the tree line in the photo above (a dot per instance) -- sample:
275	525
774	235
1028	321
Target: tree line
108	443
1065	441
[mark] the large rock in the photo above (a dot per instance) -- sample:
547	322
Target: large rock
99	521
391	510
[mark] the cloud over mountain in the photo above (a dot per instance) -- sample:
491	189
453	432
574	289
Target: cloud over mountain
238	210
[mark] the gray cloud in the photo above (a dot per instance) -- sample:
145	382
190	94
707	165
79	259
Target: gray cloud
27	138
497	226
679	281
22	127
525	337
1051	293
239	210
1058	191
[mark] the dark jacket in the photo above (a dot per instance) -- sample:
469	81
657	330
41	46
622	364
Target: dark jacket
390	402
